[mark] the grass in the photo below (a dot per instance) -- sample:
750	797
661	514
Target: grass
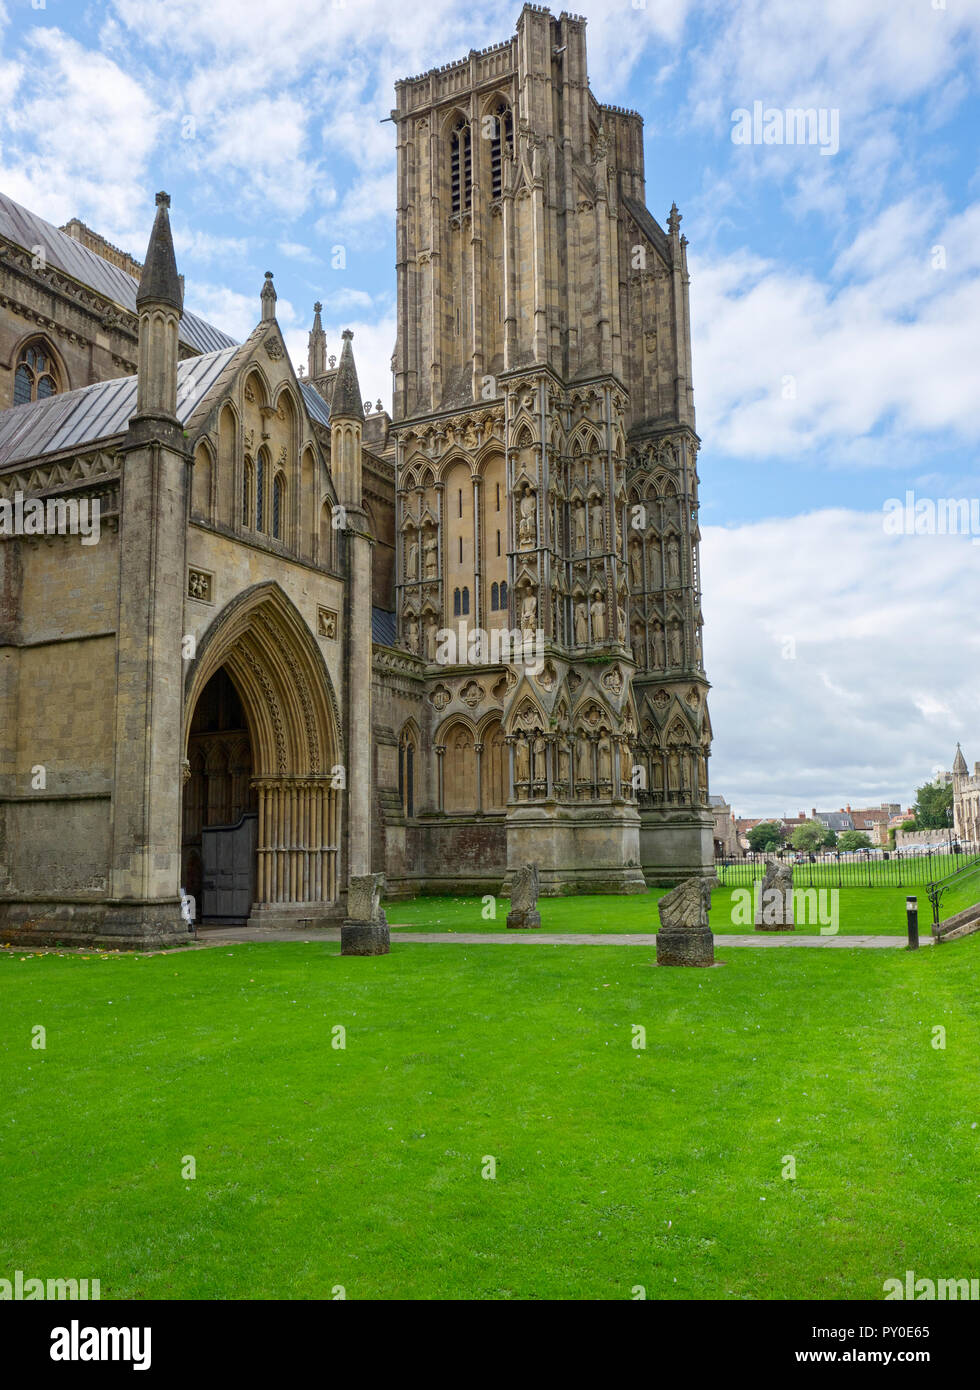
615	1166
860	911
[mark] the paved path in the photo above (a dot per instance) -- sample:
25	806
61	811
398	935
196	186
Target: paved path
221	936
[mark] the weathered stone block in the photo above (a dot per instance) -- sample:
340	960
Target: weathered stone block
684	937
524	912
364	939
774	900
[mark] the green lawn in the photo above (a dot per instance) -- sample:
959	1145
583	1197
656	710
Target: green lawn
859	911
615	1167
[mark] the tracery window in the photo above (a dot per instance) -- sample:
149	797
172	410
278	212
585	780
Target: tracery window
34	379
461	167
502	140
277	493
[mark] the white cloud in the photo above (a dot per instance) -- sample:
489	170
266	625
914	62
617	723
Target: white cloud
78	140
886	672
893	348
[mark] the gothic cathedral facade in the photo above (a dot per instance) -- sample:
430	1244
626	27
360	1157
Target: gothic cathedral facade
546	483
314	640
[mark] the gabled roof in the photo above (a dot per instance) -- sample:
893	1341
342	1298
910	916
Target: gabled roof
648	225
315	404
64	253
76	419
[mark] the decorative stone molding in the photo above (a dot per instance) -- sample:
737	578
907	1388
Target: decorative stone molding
326	624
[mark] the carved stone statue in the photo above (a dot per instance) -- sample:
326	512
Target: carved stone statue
636	567
605	761
581	625
526	526
430	549
579	526
673	561
521	762
656	568
583	759
598	619
413	633
675	644
529	612
659	648
413	559
595	524
431	628
623	627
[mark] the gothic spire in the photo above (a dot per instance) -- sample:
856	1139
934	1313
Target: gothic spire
346	402
160	283
317	364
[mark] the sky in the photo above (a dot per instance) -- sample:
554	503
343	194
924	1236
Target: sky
835	296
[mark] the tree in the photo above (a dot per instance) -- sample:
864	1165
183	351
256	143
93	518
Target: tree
853	839
933	807
765	835
829	837
808	836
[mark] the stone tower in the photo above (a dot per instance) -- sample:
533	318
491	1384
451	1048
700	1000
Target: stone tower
546	462
145	865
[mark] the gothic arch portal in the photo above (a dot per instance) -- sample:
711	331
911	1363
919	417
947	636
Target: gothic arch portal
277	669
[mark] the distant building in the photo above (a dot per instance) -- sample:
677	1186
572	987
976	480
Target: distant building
966	800
725	832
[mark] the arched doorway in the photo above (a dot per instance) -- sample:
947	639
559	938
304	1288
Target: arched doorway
219	803
260	672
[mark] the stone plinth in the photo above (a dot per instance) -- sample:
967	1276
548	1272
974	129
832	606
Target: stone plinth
774	900
524	912
684	937
364	932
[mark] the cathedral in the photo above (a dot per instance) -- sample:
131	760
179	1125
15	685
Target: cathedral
309	640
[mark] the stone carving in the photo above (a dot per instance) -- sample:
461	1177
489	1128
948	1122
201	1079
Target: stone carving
522	770
675	644
431	629
613	680
673	561
199	585
430	550
581	625
636	566
579	527
659	648
471	694
413	633
524	899
440	697
595	524
526	525
364	932
583	759
774	899
598	619
685	937
529	612
413	559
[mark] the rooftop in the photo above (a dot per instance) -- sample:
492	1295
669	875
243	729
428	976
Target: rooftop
62	252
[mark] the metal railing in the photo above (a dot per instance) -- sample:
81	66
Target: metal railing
857	869
964	885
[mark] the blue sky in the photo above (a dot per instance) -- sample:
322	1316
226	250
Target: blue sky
264	124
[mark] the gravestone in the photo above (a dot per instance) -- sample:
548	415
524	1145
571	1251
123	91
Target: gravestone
364	931
774	900
524	899
684	937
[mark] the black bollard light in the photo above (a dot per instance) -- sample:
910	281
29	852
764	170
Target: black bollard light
912	910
